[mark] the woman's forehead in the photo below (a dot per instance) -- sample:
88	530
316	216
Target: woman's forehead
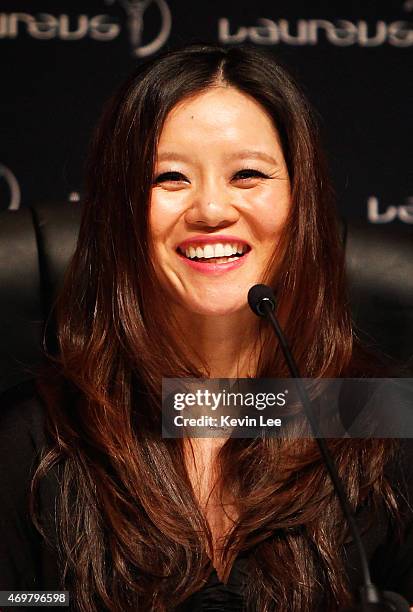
215	116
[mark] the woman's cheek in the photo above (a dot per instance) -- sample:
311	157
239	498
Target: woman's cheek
162	213
270	213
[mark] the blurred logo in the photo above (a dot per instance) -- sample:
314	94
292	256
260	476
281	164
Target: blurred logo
9	189
403	213
340	32
135	10
103	28
45	26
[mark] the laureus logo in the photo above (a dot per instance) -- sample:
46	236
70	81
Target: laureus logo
8	179
403	213
135	12
102	28
340	32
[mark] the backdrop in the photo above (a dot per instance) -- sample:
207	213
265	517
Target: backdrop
61	61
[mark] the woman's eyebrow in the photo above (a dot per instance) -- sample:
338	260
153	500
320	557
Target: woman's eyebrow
252	154
172	156
244	154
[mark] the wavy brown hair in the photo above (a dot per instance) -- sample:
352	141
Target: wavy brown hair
131	534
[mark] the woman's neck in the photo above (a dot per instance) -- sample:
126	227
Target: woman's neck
224	344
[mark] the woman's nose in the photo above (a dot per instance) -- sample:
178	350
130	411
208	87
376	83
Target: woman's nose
213	211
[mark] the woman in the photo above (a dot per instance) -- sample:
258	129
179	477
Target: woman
205	177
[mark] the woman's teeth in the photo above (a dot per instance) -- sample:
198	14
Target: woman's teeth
218	250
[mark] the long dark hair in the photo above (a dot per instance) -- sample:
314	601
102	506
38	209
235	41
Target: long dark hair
131	534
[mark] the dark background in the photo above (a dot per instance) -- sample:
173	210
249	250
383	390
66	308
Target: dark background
61	60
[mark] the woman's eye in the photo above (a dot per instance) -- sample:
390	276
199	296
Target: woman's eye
169	176
249	173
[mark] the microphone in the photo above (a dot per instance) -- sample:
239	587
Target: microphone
262	302
258	296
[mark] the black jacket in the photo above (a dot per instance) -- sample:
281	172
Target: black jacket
27	563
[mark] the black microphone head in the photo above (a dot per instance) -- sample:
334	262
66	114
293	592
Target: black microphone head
257	296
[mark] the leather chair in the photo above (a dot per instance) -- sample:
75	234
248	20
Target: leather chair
37	242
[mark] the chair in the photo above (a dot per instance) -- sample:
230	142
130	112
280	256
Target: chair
36	244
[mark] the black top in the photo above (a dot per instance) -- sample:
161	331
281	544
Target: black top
27	563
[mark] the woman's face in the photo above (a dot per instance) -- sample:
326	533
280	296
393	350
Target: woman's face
220	199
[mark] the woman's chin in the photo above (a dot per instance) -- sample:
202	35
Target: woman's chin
215	308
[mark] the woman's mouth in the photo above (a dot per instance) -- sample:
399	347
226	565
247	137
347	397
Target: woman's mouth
214	257
214	253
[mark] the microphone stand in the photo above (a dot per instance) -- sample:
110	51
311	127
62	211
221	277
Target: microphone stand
262	302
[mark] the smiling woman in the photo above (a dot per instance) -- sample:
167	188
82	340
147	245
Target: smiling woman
235	179
205	177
